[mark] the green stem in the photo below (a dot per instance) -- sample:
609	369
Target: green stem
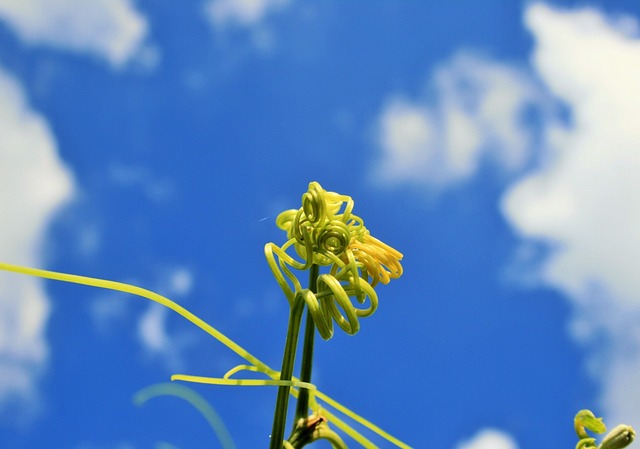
302	407
288	359
324	433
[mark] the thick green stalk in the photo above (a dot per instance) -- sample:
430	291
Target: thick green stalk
302	407
288	359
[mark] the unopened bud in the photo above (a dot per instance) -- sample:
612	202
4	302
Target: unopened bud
619	438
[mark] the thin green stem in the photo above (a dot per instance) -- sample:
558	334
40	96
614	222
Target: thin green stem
288	359
324	433
302	407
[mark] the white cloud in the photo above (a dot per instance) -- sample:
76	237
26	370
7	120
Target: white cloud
180	281
33	185
584	201
408	136
156	340
246	13
152	185
111	29
152	327
489	439
581	198
475	111
248	17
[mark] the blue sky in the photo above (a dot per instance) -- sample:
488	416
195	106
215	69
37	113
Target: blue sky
494	143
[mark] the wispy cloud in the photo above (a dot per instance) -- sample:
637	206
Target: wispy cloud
584	201
489	439
152	185
33	185
244	13
110	29
246	18
153	330
474	111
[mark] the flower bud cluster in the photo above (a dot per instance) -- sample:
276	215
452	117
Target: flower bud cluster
325	232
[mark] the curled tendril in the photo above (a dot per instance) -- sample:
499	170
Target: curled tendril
333	238
314	204
324	232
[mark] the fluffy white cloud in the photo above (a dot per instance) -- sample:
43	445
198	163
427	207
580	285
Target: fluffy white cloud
475	111
245	13
33	185
581	200
111	29
489	439
584	201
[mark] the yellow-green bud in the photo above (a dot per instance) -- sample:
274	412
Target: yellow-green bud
586	419
619	438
